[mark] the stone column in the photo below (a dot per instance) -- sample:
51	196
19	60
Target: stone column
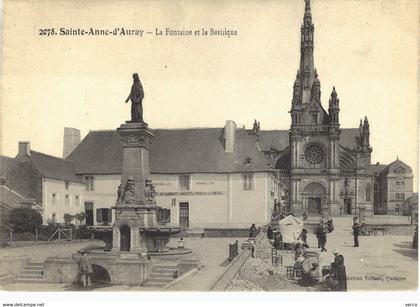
136	139
133	208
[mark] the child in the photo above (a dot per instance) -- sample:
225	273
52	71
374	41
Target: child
181	243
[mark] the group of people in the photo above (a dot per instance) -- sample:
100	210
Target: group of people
334	277
321	232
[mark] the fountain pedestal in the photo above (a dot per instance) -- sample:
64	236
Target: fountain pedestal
135	208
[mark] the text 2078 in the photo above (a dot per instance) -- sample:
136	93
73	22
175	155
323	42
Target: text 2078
47	32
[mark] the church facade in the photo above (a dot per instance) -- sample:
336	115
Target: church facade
324	169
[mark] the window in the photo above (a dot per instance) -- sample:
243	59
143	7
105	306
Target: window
67	200
314	119
53	218
54	199
402	183
248	181
77	200
397	209
184	182
103	216
66	184
368	192
398	183
88	183
402	196
398	195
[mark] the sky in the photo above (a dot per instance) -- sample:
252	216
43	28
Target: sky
367	49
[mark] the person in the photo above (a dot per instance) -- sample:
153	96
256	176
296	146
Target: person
330	225
252	231
322	229
356	232
312	277
136	96
318	233
415	238
181	243
299	250
355	219
270	232
84	268
303	236
277	240
338	271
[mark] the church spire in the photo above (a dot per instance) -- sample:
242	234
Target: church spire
308	14
307	74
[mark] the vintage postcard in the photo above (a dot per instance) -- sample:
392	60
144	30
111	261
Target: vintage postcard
209	146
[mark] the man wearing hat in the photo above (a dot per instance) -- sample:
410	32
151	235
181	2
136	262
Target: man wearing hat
85	268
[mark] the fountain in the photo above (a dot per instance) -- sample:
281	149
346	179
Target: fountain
139	231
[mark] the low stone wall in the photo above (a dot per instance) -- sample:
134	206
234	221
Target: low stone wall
127	271
232	270
226	232
395	230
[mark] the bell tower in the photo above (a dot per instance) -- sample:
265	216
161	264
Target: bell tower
314	135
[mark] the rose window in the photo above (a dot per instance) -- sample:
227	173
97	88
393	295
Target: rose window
314	154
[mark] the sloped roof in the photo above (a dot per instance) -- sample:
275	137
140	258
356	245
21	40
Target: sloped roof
172	151
279	139
4	163
349	137
377	168
12	199
53	167
395	165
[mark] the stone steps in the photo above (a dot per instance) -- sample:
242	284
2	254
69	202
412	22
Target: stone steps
31	273
160	275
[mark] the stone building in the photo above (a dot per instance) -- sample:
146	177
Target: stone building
323	168
208	177
49	182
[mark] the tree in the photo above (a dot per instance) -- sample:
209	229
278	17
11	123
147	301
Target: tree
80	217
68	218
24	219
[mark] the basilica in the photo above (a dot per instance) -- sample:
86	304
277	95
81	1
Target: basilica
325	169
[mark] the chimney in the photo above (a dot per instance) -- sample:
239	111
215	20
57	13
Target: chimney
70	141
25	148
230	131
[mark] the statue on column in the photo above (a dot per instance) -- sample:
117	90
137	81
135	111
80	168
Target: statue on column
136	96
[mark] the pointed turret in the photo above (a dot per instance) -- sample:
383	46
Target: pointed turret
316	89
296	101
334	108
366	133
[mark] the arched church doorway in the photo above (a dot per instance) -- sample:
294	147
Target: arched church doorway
314	197
100	275
125	242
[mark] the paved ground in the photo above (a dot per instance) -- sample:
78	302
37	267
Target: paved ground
380	263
